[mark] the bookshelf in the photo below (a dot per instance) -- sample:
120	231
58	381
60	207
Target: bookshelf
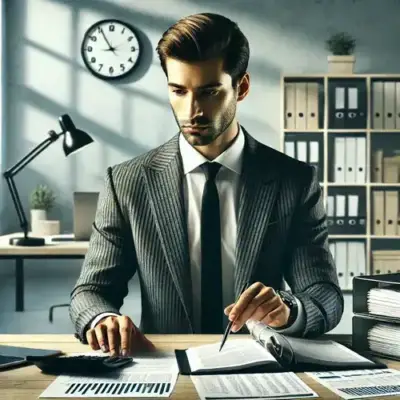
323	131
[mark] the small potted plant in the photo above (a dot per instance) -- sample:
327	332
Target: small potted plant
42	201
342	59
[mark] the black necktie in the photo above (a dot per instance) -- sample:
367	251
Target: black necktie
211	268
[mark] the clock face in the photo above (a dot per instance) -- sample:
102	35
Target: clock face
110	49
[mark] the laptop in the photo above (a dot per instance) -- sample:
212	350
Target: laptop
84	212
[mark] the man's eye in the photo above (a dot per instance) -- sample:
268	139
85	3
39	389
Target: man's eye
210	92
179	92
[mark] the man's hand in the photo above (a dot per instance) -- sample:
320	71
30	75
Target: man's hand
119	336
259	303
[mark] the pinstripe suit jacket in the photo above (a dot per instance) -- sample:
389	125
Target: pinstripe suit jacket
140	226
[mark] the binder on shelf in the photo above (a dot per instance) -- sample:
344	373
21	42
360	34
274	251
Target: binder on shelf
301	150
361	269
290	105
378	212
338	111
340	159
313	155
377	105
377	166
350	157
301	104
389	89
397	105
341	263
352	264
390	170
340	216
290	148
312	116
391	212
356	221
361	159
330	213
385	261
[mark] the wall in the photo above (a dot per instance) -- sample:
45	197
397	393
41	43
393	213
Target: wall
2	116
46	76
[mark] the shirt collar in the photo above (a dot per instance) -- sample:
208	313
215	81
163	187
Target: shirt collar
231	158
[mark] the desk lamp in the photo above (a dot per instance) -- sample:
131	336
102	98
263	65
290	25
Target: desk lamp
74	139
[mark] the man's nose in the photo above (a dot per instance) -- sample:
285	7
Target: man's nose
194	107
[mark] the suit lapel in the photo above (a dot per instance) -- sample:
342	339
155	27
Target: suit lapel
259	188
164	182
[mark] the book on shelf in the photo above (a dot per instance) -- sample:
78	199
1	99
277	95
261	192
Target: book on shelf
269	351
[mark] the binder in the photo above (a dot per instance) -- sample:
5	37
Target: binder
361	160
301	151
350	157
352	263
338	112
389	89
330	213
312	106
301	104
390	170
290	149
377	166
356	222
361	269
340	159
332	249
386	261
391	212
313	154
397	105
341	263
340	207
290	105
377	105
378	212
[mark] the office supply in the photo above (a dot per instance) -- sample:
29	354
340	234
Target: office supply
361	160
82	364
389	89
377	105
384	338
290	105
330	213
229	326
377	166
383	301
290	149
301	153
398	105
285	385
341	214
312	116
301	103
313	155
360	383
151	375
73	140
390	170
269	351
12	356
391	212
340	159
386	261
341	263
350	157
378	212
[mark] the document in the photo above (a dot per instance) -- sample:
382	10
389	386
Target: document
282	385
152	375
385	339
358	384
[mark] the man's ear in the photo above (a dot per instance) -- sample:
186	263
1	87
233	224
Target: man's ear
243	87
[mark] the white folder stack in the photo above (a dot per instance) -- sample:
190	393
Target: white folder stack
385	339
386	261
385	209
350	159
350	260
382	301
386	105
301	105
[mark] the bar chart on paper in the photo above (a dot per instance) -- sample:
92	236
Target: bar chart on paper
154	376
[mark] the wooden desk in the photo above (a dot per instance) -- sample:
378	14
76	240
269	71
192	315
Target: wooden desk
29	382
58	250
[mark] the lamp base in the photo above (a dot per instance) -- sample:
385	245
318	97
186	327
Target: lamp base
27	241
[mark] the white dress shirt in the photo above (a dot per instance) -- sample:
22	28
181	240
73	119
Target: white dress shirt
227	182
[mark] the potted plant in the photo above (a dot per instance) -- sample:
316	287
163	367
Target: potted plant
42	201
342	59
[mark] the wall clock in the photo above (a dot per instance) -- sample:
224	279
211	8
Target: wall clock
111	49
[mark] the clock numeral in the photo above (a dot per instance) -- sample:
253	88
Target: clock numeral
93	59
100	67
122	67
99	29
123	30
111	70
111	28
133	48
89	48
93	38
130	38
130	59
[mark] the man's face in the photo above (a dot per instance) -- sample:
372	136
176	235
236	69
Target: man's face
202	99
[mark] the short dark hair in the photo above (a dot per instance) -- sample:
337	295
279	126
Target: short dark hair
205	36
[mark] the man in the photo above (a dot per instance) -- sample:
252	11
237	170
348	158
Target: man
205	213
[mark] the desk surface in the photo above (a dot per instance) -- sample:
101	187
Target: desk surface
28	382
51	248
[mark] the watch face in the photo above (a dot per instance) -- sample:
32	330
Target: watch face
110	49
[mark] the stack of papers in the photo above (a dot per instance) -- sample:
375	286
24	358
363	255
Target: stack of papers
384	302
385	339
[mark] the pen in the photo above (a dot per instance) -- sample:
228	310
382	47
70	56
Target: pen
228	328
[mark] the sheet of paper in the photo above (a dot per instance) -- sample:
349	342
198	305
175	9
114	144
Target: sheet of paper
152	375
282	385
236	352
358	384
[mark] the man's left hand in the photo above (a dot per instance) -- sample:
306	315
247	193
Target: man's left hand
259	303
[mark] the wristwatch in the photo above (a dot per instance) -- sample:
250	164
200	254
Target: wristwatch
291	302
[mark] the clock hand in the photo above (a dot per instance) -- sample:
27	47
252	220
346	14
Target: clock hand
110	48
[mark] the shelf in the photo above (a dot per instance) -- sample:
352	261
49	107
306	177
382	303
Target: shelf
384	130
306	131
384	185
384	237
335	184
332	75
347	236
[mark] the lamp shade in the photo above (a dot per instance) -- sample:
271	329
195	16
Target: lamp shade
74	139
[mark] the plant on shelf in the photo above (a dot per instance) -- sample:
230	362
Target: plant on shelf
42	201
341	45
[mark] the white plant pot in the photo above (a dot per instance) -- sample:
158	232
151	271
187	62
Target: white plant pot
36	217
341	64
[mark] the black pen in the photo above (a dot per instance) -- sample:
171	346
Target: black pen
228	328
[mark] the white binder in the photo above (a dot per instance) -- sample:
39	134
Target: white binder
290	105
312	106
352	209
361	159
340	210
301	105
377	105
314	153
352	263
289	149
330	210
350	157
361	259
332	248
397	105
302	151
389	89
340	160
341	263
